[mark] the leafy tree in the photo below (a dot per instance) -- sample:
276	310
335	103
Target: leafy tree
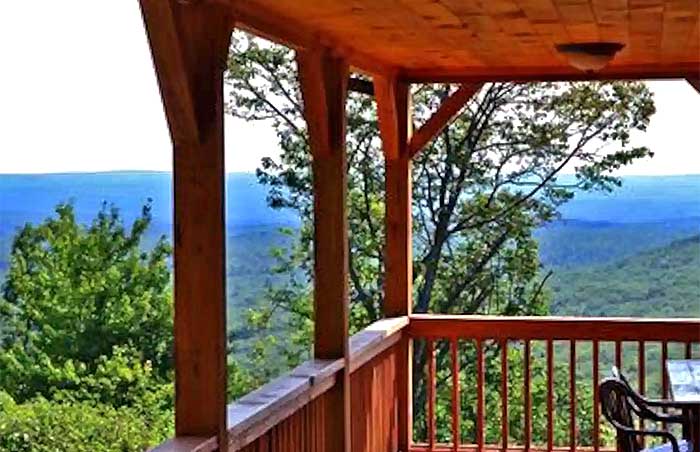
480	189
85	308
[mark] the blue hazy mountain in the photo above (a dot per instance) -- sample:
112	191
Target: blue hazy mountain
31	198
597	227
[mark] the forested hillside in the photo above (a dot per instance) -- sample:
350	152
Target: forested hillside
604	241
664	282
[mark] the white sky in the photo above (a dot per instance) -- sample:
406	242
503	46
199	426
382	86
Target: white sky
78	93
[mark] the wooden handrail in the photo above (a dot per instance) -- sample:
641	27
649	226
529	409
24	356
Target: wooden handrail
555	328
188	444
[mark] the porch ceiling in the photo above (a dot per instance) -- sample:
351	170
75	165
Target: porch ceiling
487	39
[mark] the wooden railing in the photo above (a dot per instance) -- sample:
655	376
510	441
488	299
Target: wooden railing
288	414
533	339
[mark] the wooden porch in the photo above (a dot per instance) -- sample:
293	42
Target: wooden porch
356	394
291	412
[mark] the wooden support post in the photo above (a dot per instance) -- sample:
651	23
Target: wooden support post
395	125
324	80
189	43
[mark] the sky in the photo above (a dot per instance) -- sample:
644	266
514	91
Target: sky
78	93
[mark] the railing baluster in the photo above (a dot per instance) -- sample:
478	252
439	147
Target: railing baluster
641	366
455	395
596	403
688	350
664	376
618	355
527	396
550	395
480	395
431	394
572	396
504	394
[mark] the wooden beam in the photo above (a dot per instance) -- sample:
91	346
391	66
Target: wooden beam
448	110
695	83
189	43
546	74
361	86
395	125
324	79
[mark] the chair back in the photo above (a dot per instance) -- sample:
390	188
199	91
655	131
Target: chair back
615	403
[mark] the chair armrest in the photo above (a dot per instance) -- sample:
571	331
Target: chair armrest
662	403
660	433
650	415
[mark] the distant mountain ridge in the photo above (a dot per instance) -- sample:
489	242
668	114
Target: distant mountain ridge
596	229
32	197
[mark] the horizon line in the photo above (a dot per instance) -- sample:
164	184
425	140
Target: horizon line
148	171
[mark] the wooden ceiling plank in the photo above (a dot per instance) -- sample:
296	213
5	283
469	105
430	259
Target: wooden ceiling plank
406	36
447	111
612	19
267	24
578	19
678	21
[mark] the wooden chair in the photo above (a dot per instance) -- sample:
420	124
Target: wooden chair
620	407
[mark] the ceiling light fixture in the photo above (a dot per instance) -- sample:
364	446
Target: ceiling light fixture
589	56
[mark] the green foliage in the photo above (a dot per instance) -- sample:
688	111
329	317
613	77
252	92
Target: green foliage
657	283
49	426
87	328
75	295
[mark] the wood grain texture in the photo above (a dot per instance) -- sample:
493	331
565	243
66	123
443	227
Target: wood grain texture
558	328
255	414
395	125
323	79
374	408
189	44
487	39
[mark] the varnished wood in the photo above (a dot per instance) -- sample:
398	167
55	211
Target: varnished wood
394	113
480	394
189	44
596	404
550	394
661	71
527	395
641	379
572	396
427	39
431	421
257	413
456	400
558	328
447	111
374	409
420	447
188	444
323	79
504	396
